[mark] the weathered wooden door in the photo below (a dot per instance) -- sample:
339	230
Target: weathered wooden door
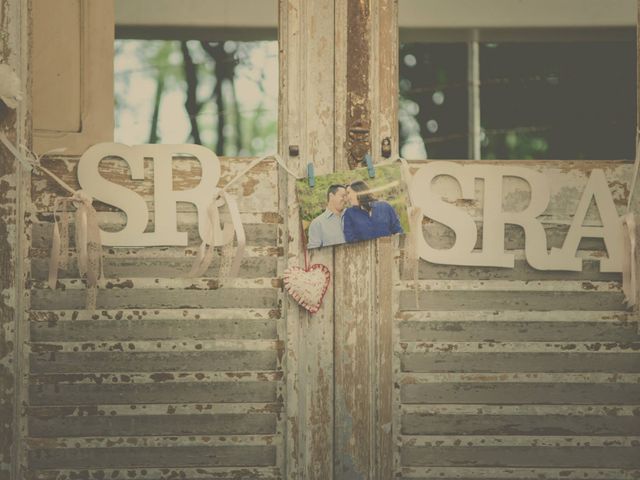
483	374
339	69
468	372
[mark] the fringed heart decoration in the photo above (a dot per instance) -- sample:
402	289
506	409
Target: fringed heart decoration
308	286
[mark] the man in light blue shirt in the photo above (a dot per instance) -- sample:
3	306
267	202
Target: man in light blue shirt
326	228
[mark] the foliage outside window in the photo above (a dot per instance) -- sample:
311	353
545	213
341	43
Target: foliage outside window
223	95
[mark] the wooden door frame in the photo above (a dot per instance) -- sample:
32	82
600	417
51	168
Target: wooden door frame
14	196
314	42
338	361
307	111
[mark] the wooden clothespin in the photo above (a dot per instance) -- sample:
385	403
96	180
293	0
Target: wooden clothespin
370	167
311	176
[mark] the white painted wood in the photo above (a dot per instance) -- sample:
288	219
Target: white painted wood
516	14
413	13
237	14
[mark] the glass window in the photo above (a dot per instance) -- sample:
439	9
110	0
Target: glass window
221	94
433	111
558	100
531	83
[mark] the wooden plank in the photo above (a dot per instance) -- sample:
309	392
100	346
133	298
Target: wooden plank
583	456
473	473
219	473
14	263
120	330
157	346
518	316
257	234
354	397
564	286
572	330
169	315
521	271
134	267
307	112
159	457
154	298
366	57
200	283
522	409
530	425
166	424
385	126
521	362
497	393
383	331
69	362
154	377
518	441
520	347
544	301
164	392
154	409
520	377
152	441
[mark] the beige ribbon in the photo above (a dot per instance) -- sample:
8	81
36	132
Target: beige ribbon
629	259
220	237
213	236
88	243
241	239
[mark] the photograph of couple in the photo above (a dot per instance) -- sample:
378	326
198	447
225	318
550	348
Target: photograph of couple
347	207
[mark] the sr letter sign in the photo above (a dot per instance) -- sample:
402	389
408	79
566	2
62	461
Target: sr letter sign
164	196
431	203
462	252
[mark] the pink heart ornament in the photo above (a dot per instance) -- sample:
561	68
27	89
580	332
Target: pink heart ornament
307	287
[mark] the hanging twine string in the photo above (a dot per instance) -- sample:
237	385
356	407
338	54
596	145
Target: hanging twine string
629	228
629	268
411	259
88	243
217	237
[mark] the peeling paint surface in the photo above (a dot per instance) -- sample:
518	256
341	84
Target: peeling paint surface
171	373
462	373
517	373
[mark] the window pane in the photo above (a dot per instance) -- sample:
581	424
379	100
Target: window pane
558	100
221	94
433	100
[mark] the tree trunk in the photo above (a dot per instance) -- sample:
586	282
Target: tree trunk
153	131
191	104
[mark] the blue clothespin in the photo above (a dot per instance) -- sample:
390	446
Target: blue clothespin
370	167
311	175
